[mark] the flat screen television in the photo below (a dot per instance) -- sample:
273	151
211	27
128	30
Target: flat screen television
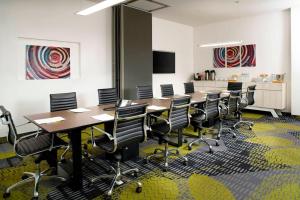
163	62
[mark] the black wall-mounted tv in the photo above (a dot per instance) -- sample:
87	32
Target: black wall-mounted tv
163	62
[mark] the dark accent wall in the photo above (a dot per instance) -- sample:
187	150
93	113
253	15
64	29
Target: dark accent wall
116	43
136	51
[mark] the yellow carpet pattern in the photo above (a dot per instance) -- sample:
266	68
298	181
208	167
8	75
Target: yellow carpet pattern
262	164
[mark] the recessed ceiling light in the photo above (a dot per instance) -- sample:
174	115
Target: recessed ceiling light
221	44
99	6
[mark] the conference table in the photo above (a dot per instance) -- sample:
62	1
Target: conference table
74	123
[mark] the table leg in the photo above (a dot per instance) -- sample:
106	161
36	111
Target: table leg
76	182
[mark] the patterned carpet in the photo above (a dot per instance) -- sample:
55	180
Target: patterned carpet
262	164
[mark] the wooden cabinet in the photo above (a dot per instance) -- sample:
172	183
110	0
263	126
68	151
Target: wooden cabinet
259	98
266	96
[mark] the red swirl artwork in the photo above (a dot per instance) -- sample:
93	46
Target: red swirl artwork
45	62
248	55
233	56
219	57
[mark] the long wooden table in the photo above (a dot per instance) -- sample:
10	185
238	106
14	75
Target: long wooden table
74	123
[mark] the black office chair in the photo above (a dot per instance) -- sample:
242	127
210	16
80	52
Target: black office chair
144	92
248	100
107	96
189	88
129	128
167	90
206	117
178	119
39	144
230	107
233	86
63	101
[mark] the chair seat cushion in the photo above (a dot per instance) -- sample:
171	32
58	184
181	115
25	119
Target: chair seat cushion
243	105
160	130
197	119
160	127
35	145
104	143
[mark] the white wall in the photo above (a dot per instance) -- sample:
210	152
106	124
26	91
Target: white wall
270	33
295	71
52	20
178	38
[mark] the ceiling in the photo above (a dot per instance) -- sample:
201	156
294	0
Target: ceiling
199	12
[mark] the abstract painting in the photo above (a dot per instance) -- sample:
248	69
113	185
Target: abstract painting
233	56
248	55
47	62
219	57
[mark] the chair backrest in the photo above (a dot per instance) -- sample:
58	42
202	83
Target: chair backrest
233	86
211	106
107	95
144	92
63	101
179	113
189	88
129	125
6	119
250	94
233	101
166	90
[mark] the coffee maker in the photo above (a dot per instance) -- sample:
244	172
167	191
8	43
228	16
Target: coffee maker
212	75
207	74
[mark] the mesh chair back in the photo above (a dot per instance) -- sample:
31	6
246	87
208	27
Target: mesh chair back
250	94
144	92
107	96
63	101
6	119
189	88
233	86
179	113
212	106
167	90
129	125
233	101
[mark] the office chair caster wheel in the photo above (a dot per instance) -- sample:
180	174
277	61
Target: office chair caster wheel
185	141
34	198
146	161
138	189
107	197
165	169
185	163
6	195
233	136
210	150
218	137
250	128
135	174
25	177
189	148
217	144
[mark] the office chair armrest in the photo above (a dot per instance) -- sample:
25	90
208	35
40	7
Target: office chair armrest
110	137
160	118
223	106
201	110
32	134
23	124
